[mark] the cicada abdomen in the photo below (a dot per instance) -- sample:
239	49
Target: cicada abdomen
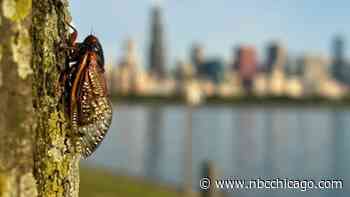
90	108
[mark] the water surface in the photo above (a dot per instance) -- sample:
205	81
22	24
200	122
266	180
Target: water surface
247	142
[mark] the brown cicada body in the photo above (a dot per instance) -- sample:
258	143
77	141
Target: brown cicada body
85	93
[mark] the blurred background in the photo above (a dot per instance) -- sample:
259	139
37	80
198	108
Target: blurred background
250	88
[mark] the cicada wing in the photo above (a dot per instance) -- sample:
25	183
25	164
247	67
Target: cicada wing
75	91
95	108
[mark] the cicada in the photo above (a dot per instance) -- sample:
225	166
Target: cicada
85	93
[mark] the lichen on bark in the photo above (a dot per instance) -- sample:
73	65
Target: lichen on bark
16	133
22	48
16	10
56	163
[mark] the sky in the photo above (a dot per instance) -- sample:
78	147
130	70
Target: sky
302	26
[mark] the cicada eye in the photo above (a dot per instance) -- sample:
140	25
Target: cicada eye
94	48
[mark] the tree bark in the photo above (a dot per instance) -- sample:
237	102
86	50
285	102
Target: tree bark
56	163
16	133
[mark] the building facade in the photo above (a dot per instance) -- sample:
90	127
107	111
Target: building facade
157	49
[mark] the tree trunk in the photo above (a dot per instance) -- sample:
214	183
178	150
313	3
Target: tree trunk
56	163
16	133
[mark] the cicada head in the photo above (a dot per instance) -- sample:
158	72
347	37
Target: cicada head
92	44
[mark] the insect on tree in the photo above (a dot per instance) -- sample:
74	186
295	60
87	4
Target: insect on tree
85	93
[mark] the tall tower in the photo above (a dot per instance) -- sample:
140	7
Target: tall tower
156	53
338	57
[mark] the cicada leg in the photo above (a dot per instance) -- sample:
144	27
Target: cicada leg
60	85
70	47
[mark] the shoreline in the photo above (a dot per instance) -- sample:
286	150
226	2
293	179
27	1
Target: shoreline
251	101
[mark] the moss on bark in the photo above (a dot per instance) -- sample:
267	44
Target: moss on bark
56	163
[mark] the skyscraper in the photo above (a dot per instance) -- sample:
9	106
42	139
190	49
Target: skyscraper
212	69
130	58
127	71
276	57
197	55
338	57
156	53
246	64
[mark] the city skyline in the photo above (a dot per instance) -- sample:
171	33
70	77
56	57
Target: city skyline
308	31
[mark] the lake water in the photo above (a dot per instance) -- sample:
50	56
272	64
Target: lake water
247	142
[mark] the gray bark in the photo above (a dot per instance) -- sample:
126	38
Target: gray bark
16	133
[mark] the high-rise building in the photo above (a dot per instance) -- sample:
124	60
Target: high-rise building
276	57
212	69
130	58
125	79
197	55
246	64
156	53
184	71
338	50
207	69
315	73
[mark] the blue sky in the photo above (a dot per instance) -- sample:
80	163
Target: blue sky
220	25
